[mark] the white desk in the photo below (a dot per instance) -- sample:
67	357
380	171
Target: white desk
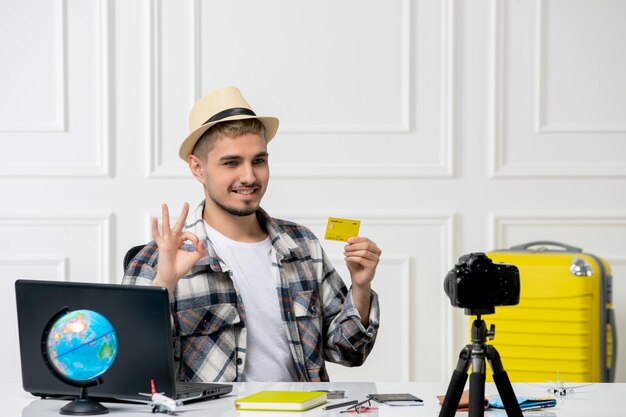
596	400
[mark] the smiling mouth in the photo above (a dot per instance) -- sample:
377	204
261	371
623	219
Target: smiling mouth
245	191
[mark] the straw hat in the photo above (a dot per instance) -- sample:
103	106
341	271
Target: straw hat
221	105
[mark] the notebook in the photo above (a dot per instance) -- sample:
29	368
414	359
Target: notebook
141	318
281	401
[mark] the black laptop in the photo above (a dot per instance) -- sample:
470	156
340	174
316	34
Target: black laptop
141	318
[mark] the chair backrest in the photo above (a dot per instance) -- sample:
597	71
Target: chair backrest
132	252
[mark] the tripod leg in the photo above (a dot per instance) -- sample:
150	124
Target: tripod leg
501	378
477	385
456	385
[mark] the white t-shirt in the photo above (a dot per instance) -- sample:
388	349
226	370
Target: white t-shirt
268	357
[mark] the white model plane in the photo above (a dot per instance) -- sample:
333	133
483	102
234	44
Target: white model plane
159	402
559	389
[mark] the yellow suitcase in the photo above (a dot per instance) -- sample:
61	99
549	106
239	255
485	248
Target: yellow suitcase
564	322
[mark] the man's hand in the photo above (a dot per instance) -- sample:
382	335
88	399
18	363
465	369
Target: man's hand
362	257
174	262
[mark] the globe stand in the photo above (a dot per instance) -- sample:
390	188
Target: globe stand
83	406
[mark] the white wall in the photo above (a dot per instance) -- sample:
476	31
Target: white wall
446	126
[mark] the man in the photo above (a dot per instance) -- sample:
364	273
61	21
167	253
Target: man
253	298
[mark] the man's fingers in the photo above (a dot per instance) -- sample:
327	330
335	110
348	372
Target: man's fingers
180	223
155	229
365	254
165	214
200	247
362	243
364	262
197	243
363	247
190	236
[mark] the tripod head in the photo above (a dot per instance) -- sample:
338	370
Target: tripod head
479	311
480	334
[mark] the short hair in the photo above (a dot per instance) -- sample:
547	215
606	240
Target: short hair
233	128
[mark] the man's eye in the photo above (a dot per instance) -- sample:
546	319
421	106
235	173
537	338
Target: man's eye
231	163
259	161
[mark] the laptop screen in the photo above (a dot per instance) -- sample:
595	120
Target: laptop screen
139	315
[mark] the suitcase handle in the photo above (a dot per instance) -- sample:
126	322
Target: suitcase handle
566	248
611	322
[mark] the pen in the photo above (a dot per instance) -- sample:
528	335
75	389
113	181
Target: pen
537	408
338	405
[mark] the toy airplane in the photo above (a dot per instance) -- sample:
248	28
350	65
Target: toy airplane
559	389
159	402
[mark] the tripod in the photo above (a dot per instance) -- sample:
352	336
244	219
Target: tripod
475	355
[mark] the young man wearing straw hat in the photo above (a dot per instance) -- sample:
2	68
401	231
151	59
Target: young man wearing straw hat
253	298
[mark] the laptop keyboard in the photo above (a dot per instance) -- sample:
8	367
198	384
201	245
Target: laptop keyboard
185	388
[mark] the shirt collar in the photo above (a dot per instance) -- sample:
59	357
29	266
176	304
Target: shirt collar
281	241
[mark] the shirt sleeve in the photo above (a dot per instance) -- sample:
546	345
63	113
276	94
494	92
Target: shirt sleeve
141	269
347	341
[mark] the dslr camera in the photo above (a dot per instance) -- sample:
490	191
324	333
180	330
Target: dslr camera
477	284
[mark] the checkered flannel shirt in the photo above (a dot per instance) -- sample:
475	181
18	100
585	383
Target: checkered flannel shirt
209	318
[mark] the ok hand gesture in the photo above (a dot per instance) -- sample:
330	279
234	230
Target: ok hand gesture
174	262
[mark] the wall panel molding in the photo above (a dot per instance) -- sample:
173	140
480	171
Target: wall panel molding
60	68
100	223
59	265
500	164
62	128
404	126
542	124
104	129
157	167
440	166
497	76
446	353
407	323
498	221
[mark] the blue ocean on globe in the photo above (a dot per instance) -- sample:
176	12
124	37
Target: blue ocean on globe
82	345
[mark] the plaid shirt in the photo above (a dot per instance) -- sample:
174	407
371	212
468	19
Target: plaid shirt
321	320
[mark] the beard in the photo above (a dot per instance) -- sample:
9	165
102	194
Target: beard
246	211
250	208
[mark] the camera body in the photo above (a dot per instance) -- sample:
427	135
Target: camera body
478	284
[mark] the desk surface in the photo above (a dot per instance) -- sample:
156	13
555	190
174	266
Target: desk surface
600	399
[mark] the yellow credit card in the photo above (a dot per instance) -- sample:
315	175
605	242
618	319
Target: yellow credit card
341	229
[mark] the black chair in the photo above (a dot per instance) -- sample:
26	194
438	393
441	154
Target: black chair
132	252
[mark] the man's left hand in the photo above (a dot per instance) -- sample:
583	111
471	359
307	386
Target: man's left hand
362	257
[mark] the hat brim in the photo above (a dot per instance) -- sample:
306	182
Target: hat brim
269	123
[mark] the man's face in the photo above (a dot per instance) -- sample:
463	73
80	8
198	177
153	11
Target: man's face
235	174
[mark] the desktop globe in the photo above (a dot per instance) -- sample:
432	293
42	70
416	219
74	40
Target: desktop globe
79	347
82	345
